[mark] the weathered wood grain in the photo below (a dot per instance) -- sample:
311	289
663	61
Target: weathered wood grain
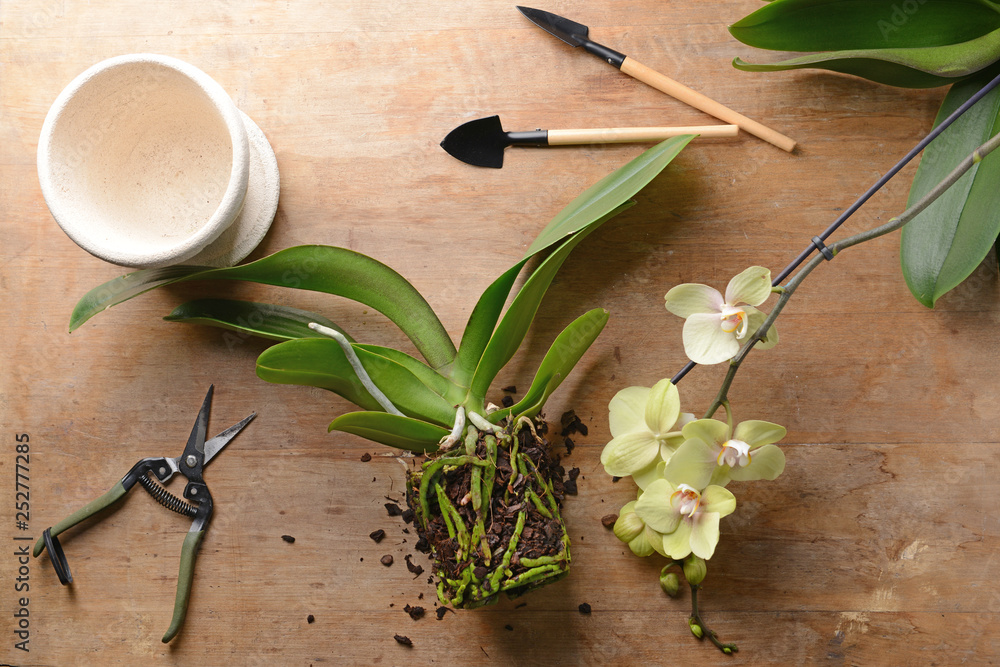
875	547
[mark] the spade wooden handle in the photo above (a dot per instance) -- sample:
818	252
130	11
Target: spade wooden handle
620	135
703	103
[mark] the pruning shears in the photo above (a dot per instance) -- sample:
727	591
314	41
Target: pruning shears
150	473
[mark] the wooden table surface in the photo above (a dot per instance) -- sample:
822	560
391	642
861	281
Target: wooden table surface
876	546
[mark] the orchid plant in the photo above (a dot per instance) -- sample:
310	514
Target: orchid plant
488	477
683	465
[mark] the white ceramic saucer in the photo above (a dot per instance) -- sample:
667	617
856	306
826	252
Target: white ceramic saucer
259	207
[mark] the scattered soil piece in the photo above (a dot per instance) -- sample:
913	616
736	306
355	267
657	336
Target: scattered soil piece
422	545
416	613
366	457
585	608
288	538
386	560
408	515
441	611
512	389
310	619
417	570
570	446
570	484
393	509
507	401
420	597
377	535
608	520
509	627
568	421
405	641
615	480
571	424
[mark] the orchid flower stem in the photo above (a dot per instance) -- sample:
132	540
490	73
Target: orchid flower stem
895	223
359	369
696	619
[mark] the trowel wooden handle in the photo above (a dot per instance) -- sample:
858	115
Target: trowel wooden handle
621	135
678	90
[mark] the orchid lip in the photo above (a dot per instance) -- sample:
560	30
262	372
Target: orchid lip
734	320
734	453
687	500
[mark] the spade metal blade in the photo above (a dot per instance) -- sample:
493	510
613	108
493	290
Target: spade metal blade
571	32
479	142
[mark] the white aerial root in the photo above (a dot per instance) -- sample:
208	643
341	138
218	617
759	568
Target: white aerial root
352	358
452	438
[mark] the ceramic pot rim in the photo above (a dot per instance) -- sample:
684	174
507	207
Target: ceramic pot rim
225	213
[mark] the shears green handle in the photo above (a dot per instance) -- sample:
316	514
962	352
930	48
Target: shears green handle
184	578
87	511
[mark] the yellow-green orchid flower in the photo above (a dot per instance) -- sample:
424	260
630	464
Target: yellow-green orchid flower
711	454
715	326
645	428
688	519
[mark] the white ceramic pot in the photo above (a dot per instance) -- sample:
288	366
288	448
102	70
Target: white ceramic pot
144	161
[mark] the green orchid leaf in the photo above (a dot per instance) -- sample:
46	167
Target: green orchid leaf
515	323
608	194
265	320
836	25
907	68
320	362
327	269
314	362
946	242
406	391
392	430
598	204
438	383
126	287
481	324
562	356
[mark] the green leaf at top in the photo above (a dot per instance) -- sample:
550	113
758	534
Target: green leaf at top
481	324
907	68
834	25
515	323
609	193
561	358
392	430
265	320
318	268
946	242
